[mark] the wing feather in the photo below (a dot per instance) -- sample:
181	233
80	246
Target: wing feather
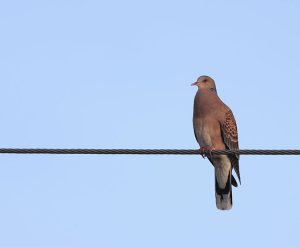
230	138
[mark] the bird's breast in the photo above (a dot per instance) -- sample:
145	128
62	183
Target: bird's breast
202	132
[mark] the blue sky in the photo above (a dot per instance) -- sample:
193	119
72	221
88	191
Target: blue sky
117	74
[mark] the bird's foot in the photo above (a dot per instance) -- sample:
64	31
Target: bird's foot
206	151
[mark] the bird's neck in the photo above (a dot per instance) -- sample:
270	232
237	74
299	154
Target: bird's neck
202	98
207	93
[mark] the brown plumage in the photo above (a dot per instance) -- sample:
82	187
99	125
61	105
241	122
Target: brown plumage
215	128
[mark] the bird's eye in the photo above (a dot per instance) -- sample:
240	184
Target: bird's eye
205	80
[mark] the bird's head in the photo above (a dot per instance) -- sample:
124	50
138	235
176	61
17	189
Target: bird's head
205	82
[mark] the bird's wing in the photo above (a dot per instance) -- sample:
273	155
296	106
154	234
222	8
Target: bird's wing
230	138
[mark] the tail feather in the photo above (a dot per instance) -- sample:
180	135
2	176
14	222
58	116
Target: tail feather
233	181
224	193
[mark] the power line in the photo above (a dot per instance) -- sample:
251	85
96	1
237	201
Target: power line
147	151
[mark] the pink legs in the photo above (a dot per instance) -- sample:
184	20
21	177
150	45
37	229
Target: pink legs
206	151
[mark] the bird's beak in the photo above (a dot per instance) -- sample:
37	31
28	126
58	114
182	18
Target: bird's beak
194	84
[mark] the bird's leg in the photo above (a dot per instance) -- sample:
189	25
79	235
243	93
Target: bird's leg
202	152
206	151
209	150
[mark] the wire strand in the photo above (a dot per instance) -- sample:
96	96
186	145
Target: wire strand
147	151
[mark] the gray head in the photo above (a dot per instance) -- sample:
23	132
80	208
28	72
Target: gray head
205	82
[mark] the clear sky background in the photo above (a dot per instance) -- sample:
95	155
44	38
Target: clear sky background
117	74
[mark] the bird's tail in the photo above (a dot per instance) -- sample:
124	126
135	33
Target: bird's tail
223	188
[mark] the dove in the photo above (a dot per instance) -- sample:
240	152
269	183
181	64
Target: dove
215	128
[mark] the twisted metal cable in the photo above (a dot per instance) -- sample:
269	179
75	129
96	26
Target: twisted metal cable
147	151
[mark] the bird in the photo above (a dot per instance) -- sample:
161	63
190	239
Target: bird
215	128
